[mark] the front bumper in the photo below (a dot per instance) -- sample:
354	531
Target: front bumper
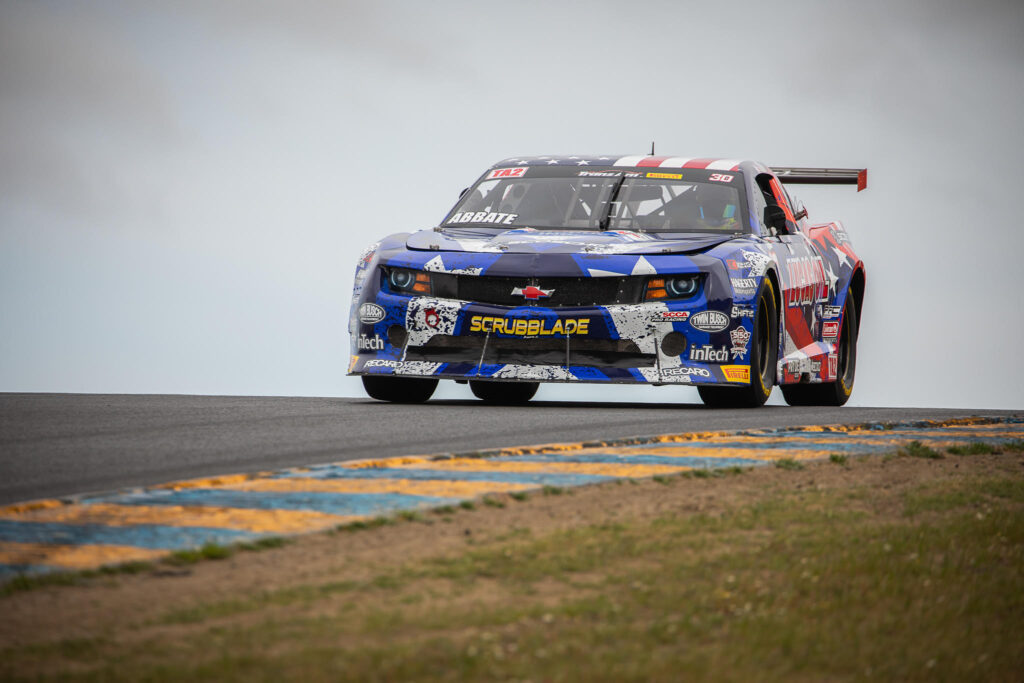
648	343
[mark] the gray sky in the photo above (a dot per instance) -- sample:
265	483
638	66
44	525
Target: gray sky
185	187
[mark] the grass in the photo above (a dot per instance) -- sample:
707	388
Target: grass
789	464
838	459
916	449
797	585
975	448
491	501
210	551
519	496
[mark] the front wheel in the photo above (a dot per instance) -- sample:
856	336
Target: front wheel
838	392
504	393
399	389
764	347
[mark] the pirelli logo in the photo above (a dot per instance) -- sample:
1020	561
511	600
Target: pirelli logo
736	373
521	327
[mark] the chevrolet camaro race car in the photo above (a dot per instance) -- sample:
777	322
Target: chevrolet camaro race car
637	269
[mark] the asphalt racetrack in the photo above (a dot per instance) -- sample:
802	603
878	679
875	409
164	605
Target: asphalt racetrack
54	445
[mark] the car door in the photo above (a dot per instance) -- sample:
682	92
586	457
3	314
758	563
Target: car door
801	272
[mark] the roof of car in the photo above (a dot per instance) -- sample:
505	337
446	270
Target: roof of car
635	160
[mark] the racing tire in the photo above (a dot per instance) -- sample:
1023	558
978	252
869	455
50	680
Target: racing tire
764	349
504	393
399	389
838	392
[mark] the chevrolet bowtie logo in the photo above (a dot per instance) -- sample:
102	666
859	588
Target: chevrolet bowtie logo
532	292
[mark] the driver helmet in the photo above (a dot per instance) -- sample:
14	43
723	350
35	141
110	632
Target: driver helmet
717	204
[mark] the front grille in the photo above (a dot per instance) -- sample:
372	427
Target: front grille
566	292
620	353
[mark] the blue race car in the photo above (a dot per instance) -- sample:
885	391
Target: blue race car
637	269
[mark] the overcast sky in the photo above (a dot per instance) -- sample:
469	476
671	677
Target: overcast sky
185	187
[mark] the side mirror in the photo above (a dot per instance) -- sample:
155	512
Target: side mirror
801	211
775	217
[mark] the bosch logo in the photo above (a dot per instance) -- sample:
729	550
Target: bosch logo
532	293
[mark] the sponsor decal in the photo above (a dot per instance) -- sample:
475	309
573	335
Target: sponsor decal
709	321
517	172
720	178
686	372
666	176
483	217
830	330
521	327
739	336
431	318
833	365
815	366
370	314
608	174
709	354
807	282
532	293
829	312
741	283
352	363
757	262
736	373
670	316
742	312
376	363
368	343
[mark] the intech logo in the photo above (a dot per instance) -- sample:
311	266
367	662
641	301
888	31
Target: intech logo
709	354
367	343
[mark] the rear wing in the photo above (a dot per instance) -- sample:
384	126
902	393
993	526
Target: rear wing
823	176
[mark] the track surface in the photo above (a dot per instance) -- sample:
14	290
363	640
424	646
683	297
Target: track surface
61	444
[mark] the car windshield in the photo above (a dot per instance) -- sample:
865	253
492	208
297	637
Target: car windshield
678	200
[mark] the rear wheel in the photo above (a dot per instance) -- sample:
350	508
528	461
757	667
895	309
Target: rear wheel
504	393
763	352
838	392
399	389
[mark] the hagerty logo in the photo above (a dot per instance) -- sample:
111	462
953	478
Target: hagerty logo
370	314
709	321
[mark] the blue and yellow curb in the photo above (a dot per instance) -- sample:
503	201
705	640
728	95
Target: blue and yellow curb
147	524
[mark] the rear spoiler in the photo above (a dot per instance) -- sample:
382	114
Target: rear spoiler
823	176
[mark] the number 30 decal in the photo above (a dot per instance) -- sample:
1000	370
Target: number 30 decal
721	178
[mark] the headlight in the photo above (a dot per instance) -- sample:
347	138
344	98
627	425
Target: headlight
405	280
672	287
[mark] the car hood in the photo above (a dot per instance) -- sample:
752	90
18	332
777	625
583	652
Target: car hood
530	241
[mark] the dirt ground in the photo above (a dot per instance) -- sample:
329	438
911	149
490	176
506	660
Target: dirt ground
122	604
